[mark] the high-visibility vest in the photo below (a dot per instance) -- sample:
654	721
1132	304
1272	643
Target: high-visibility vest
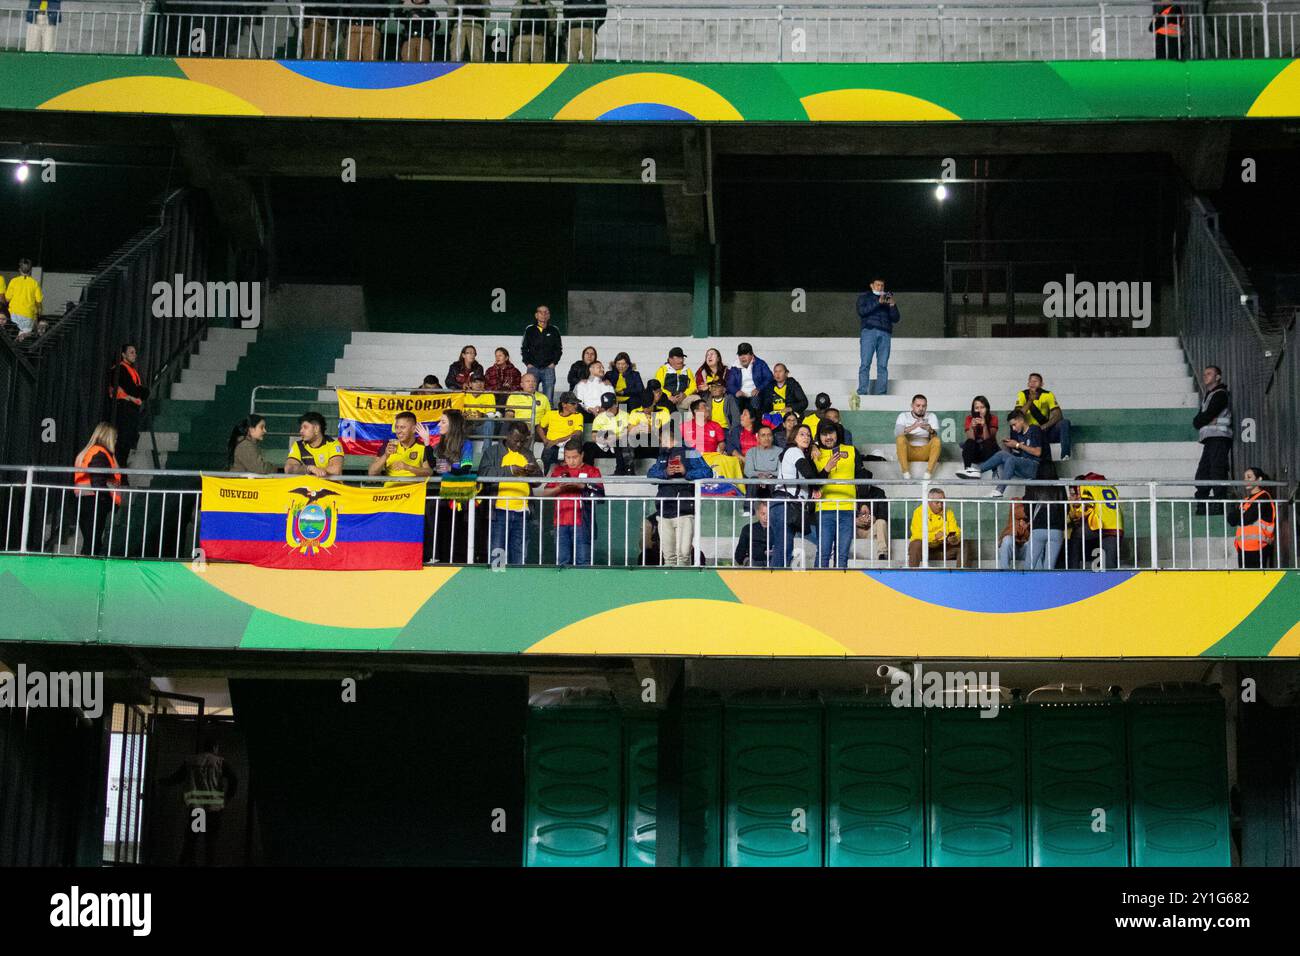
205	784
82	478
1221	427
1170	20
1259	534
120	393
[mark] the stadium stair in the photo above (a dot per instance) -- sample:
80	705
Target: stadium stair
210	399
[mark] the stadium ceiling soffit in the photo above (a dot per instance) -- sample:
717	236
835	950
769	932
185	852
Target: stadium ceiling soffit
605	153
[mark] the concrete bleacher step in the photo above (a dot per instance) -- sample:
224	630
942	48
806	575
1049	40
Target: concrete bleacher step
945	395
217	356
1149	373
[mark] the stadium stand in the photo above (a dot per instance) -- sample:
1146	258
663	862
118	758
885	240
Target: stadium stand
1130	402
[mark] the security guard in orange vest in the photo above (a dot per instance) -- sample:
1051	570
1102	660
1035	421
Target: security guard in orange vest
127	393
1169	26
1256	523
95	502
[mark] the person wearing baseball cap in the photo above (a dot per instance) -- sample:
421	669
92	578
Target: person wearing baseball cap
748	377
609	436
557	427
814	418
676	379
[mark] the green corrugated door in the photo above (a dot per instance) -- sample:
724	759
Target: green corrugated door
701	787
1179	776
875	773
976	792
773	783
573	796
1077	766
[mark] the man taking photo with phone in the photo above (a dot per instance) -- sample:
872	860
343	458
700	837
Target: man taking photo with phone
877	316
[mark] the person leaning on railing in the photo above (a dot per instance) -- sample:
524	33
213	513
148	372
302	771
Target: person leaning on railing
787	512
1046	504
509	458
676	507
1094	522
575	519
465	28
453	465
314	452
422	26
1256	522
1013	540
326	19
243	454
836	504
533	26
96	493
42	17
752	549
940	530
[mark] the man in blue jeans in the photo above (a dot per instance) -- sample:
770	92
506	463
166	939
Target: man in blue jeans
1018	458
541	350
574	514
877	315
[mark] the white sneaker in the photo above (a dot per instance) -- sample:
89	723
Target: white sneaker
971	472
995	493
928	476
1065	458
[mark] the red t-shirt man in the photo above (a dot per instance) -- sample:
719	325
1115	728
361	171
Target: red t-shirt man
569	498
705	439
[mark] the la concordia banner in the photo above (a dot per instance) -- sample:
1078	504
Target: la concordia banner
303	522
366	418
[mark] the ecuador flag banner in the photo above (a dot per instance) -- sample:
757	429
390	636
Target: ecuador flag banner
366	418
306	522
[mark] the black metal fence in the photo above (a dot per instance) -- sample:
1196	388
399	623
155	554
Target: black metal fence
56	391
1222	326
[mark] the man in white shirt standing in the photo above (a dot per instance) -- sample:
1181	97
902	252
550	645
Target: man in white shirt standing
916	434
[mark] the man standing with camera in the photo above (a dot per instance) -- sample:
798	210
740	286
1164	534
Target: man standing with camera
877	315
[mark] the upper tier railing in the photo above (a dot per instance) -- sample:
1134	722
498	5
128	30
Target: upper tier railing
764	522
663	32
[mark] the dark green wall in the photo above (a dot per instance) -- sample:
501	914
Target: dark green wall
409	774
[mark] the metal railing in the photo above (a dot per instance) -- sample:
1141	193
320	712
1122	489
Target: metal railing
662	32
629	522
1221	326
59	385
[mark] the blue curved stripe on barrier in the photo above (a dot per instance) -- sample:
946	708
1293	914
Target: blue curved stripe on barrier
646	111
369	76
1006	592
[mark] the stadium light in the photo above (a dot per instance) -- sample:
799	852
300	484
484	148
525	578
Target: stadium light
22	172
941	192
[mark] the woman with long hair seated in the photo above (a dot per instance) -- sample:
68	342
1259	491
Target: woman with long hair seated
712	369
1255	519
242	451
